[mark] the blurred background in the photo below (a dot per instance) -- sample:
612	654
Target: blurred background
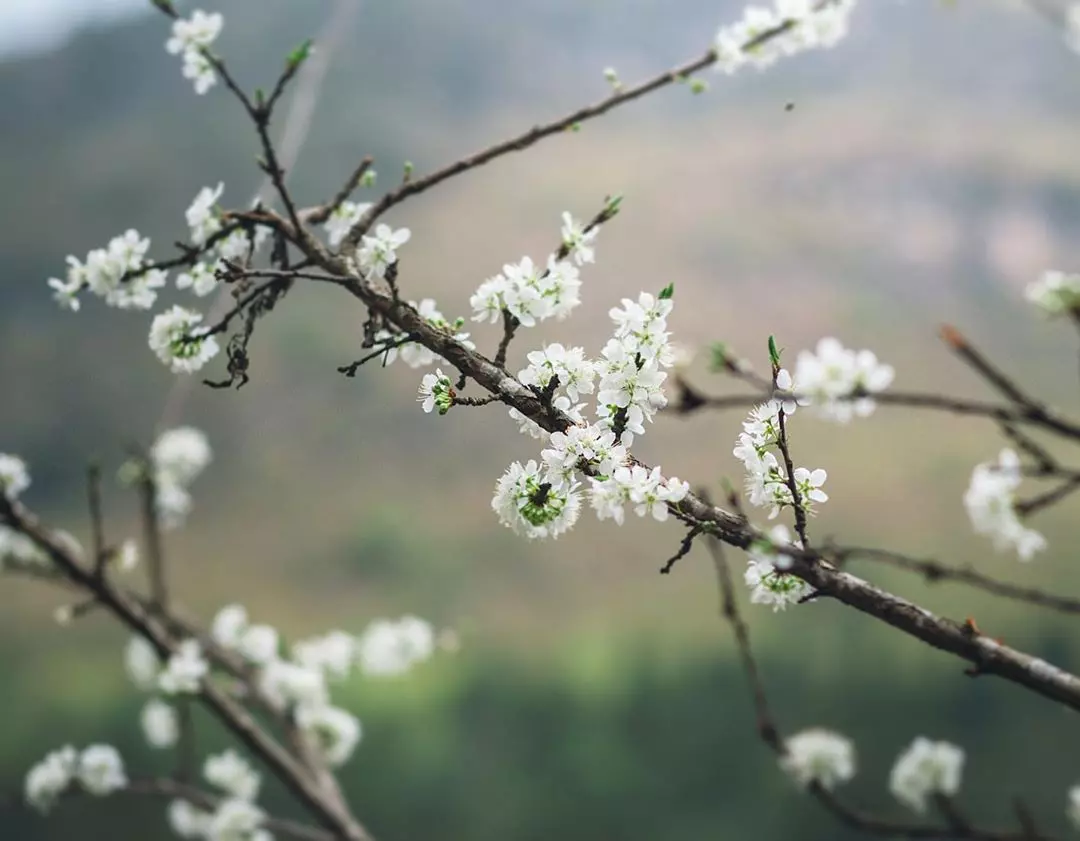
927	172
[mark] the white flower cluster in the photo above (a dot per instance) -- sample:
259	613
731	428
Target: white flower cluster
528	293
205	221
830	378
103	272
1056	293
191	38
990	501
300	682
237	817
14	546
342	218
819	756
798	25
926	768
532	294
178	457
765	574
414	354
98	770
766	480
179	342
541	498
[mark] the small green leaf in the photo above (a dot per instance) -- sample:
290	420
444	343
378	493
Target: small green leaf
718	359
613	205
369	177
299	55
667	292
698	86
774	354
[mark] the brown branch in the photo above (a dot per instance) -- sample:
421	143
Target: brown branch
151	523
537	133
934	571
322	803
319	215
97	524
182	790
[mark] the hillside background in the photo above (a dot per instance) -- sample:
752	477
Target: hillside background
927	172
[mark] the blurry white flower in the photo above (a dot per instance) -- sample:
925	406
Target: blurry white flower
179	343
101	771
335	732
159	724
47	780
14	477
231	773
924	769
185	669
819	756
388	648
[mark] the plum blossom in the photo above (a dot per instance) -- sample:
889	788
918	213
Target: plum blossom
178	343
388	648
990	501
819	756
533	503
377	253
924	769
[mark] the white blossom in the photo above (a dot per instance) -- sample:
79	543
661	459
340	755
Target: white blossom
527	426
237	819
229	625
231	773
576	373
377	253
127	556
200	70
286	685
1056	293
178	343
591	444
200	30
436	392
990	501
200	279
763	35
387	648
101	771
186	820
17	547
577	240
646	490
159	723
332	654
335	732
185	669
50	778
142	663
533	503
488	300
924	769
766	574
180	454
341	220
819	756
202	215
258	644
834	372
119	273
14	477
